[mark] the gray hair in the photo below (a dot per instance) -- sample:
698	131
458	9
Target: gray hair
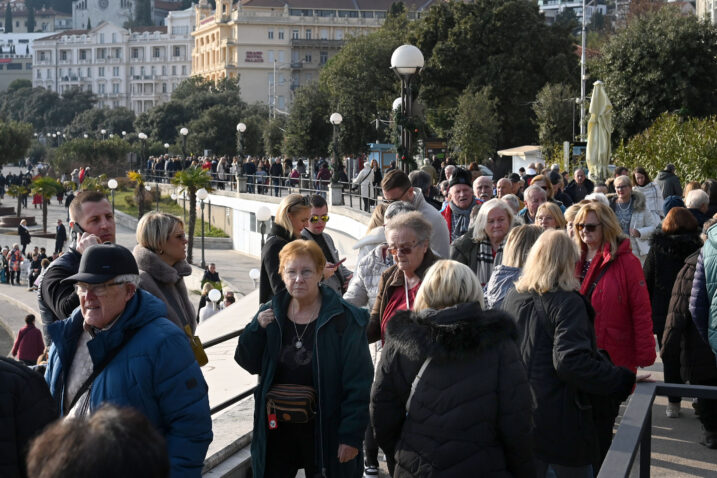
127	279
599	197
482	218
530	189
513	201
421	180
697	199
396	208
414	221
450	168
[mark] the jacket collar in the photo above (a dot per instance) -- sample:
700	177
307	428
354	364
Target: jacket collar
160	271
277	230
331	306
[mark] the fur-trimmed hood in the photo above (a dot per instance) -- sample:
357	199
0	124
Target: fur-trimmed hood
449	334
638	200
160	271
679	245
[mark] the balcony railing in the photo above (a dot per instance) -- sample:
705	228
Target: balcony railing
311	43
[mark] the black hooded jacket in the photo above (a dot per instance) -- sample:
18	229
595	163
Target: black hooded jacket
666	257
471	412
270	282
567	375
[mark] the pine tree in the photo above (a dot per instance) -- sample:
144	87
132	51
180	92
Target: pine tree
89	24
8	18
30	20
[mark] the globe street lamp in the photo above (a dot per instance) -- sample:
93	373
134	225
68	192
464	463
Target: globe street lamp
143	137
184	132
166	147
406	61
241	127
336	120
103	131
263	214
202	195
112	184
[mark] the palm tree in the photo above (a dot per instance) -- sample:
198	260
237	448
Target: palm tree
18	191
139	194
46	187
192	179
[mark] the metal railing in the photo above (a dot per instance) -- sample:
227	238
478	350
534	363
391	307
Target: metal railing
635	430
241	396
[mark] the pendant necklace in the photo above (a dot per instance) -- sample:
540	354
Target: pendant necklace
299	343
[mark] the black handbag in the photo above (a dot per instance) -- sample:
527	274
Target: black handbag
290	403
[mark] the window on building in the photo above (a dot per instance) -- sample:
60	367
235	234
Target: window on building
102	37
115	71
28	66
307	58
282	56
270	34
117	53
295	56
282	102
153	70
47	73
101	71
156	52
131	71
281	34
177	51
101	88
164	70
39	75
135	53
164	87
141	70
114	37
101	53
294	34
324	34
89	72
115	88
323	57
184	70
339	34
83	54
174	70
308	33
63	55
270	56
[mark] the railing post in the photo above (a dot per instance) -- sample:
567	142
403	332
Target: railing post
646	445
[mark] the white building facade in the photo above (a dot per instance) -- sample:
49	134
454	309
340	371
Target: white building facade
707	9
553	8
137	69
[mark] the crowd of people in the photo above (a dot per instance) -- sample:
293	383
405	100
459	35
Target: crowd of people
489	328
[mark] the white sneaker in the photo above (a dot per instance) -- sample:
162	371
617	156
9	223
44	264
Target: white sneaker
673	410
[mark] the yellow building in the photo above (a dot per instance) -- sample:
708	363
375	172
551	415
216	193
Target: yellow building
274	46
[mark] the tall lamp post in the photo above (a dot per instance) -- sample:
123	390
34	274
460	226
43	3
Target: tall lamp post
202	195
143	137
112	184
104	132
184	132
335	120
406	61
263	214
241	127
166	147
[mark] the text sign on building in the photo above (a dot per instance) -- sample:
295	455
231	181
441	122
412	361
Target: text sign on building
254	57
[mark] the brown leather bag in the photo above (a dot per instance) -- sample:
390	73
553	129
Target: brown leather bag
291	403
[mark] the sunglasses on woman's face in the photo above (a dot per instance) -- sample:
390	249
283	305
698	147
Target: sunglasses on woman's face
587	227
323	218
403	250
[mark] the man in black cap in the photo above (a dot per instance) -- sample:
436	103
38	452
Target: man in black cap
119	347
458	212
91	222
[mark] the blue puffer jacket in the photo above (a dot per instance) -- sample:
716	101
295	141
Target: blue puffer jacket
155	373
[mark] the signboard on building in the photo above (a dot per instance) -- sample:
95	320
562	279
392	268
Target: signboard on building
254	57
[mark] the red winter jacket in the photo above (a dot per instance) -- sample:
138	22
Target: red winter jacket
29	344
623	315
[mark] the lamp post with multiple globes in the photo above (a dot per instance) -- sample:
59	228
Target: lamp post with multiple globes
406	61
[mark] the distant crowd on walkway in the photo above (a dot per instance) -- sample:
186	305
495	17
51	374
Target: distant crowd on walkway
509	319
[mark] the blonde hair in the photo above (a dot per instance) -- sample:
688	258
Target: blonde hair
206	288
571	212
291	204
446	284
554	210
517	245
376	217
155	228
550	266
611	230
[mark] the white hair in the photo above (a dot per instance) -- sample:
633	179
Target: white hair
513	201
481	220
599	197
127	279
697	199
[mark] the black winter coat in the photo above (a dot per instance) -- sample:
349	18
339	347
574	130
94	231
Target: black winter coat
666	257
471	411
565	372
681	341
26	407
270	281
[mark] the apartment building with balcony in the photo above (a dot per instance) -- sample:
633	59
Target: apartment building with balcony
46	19
275	47
553	8
136	69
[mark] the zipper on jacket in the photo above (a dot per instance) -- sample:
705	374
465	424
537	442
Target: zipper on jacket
318	381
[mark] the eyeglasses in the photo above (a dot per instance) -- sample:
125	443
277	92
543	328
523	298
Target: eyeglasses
587	227
306	274
621	187
391	201
404	250
97	290
323	218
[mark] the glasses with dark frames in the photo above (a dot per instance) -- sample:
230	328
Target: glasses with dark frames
391	201
587	227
